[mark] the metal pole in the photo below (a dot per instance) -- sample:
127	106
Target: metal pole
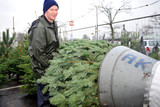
97	22
36	14
13	25
71	19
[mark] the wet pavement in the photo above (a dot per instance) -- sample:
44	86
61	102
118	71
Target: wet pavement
14	98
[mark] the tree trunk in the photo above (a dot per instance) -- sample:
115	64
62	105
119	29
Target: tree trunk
112	32
17	78
9	75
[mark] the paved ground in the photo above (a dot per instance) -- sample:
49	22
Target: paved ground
14	98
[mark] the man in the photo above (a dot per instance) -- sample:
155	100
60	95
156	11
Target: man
43	40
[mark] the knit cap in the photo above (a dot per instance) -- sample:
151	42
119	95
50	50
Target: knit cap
47	4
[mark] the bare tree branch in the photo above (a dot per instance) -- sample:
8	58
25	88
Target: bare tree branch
111	13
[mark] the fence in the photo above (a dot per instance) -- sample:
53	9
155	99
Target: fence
148	27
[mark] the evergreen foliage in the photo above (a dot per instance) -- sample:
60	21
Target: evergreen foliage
5	46
28	77
3	75
155	55
72	76
155	52
18	63
125	39
14	59
134	40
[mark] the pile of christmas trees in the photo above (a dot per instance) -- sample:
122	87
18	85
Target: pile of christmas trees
72	76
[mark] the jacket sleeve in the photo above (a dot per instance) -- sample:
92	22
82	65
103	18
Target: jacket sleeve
52	40
38	46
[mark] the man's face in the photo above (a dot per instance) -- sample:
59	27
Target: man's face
51	13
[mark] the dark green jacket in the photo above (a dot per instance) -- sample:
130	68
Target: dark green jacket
43	40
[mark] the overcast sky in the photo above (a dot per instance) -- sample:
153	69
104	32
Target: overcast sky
25	11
